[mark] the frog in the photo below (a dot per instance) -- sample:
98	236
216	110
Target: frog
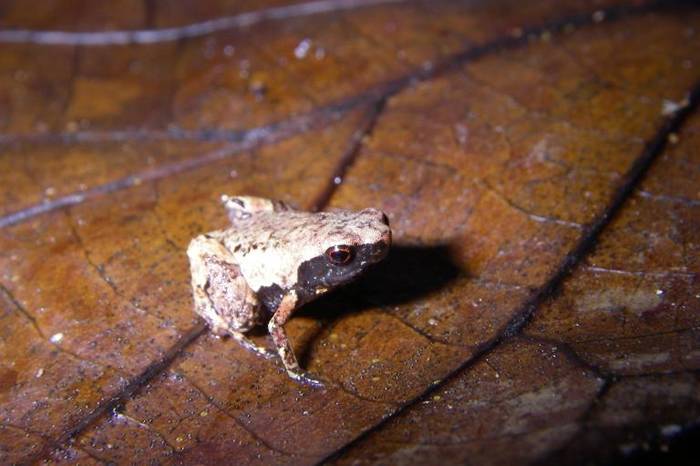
272	260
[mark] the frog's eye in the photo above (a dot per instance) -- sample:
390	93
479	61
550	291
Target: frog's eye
340	255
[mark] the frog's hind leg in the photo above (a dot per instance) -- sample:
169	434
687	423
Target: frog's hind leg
240	207
221	294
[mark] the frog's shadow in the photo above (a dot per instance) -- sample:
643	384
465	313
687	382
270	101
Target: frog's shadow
408	273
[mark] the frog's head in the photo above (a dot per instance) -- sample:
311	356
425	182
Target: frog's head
348	243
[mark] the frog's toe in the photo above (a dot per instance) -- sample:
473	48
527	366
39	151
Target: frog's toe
250	346
306	379
266	353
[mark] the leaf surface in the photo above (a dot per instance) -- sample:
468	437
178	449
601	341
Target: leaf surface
517	151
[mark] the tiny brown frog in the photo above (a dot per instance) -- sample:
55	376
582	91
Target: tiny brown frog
273	260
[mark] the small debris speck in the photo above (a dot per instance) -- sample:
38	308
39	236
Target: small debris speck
659	292
670	430
302	48
39	373
461	134
258	89
598	16
437	398
56	338
628	448
204	413
337	180
673	138
50	191
669	107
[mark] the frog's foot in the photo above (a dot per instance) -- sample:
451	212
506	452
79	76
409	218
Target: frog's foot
217	326
305	378
248	344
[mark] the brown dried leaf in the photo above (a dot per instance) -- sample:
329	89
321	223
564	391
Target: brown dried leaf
499	139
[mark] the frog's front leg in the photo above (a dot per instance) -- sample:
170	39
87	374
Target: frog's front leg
245	342
279	338
221	294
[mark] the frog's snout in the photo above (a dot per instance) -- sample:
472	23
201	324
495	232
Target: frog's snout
385	219
385	241
382	217
381	248
386	238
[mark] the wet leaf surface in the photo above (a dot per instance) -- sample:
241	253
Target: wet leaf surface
539	166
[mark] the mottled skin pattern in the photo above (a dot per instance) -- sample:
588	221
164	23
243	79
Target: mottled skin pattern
272	260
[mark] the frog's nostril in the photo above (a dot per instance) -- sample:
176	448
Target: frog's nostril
385	219
386	238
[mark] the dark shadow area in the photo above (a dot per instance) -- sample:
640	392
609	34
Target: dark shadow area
408	273
678	449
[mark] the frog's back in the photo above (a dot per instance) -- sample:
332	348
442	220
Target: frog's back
288	229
